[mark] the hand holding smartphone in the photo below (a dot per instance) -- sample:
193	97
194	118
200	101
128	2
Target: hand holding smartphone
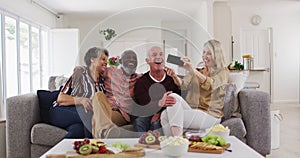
175	60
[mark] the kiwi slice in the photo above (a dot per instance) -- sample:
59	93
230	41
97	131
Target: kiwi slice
161	138
85	149
95	149
150	139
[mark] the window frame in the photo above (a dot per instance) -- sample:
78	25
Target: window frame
3	64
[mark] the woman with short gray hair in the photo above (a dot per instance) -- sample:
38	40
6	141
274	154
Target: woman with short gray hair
73	108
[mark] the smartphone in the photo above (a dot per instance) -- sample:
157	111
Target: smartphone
174	60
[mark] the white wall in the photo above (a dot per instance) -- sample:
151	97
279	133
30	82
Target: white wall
201	31
284	19
26	9
63	51
126	25
223	28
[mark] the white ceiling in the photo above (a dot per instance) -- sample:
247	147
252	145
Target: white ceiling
107	7
103	8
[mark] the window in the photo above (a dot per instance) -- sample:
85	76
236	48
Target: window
24	64
35	57
10	65
24	58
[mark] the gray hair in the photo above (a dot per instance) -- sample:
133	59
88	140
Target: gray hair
94	53
149	50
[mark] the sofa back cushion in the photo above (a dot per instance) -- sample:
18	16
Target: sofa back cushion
55	82
230	101
46	99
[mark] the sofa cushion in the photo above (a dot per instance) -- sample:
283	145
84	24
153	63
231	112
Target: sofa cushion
46	99
128	131
230	101
51	83
55	82
45	134
236	126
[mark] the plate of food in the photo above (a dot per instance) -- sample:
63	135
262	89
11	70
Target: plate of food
98	148
208	144
151	139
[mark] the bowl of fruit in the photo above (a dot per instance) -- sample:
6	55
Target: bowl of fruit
86	147
220	130
150	138
174	146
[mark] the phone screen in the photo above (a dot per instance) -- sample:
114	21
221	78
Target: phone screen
174	60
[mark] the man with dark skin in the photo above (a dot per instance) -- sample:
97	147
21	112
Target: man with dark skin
114	108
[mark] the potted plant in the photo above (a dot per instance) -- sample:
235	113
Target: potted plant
108	33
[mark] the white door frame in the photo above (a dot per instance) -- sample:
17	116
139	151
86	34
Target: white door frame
271	66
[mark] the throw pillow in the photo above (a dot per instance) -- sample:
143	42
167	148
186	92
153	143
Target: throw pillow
231	105
46	99
51	83
60	81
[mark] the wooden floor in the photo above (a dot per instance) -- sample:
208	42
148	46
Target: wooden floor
289	131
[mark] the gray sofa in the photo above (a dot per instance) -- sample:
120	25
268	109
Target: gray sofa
28	137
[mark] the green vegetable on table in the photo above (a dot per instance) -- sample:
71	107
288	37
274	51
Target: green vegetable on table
120	146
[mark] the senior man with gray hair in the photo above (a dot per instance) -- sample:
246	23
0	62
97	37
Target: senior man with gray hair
150	89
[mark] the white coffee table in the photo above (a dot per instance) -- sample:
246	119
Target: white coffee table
239	149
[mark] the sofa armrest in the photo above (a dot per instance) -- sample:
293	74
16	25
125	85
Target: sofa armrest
22	113
255	110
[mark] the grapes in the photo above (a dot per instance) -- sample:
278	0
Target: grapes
150	133
79	143
86	141
222	142
194	138
156	133
214	140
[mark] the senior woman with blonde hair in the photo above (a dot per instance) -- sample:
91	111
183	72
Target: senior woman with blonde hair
203	106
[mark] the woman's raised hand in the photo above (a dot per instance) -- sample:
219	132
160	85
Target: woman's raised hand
170	72
188	65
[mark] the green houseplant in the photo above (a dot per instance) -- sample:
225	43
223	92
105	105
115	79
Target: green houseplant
108	33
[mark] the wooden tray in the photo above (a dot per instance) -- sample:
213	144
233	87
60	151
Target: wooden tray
155	146
73	154
217	151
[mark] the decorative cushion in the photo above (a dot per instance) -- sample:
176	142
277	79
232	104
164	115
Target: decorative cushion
236	126
60	81
55	82
231	106
46	99
51	83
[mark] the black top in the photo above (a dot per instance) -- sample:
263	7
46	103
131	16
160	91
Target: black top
147	93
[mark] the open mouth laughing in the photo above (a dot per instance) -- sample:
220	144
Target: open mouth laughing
131	64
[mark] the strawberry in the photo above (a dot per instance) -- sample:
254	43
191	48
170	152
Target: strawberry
102	149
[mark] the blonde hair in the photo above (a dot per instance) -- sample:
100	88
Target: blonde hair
215	48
